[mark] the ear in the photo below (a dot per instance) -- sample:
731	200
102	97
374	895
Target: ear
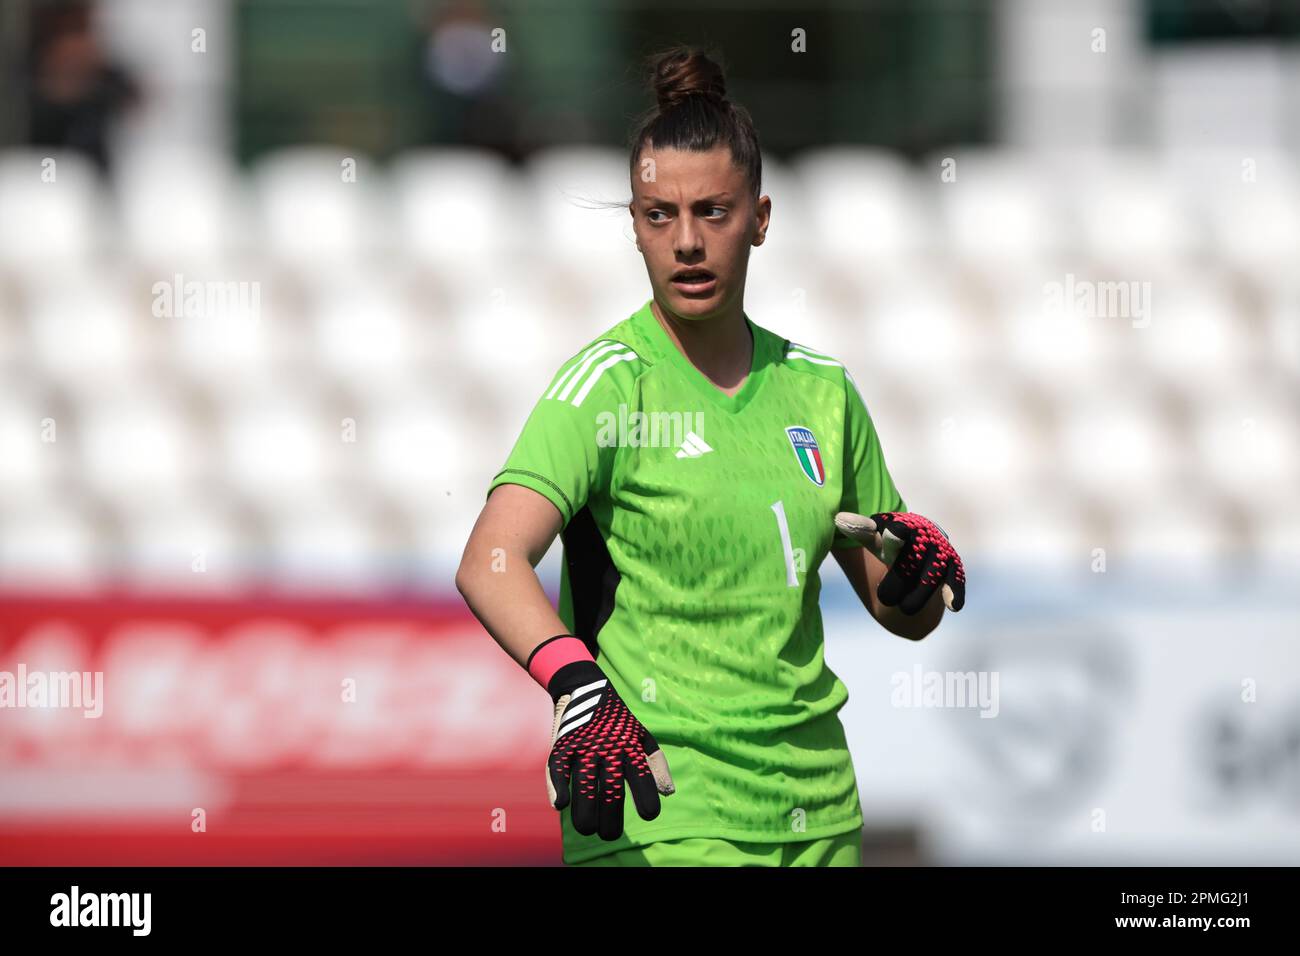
763	212
631	211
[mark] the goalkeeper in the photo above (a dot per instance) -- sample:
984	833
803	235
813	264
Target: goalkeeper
695	721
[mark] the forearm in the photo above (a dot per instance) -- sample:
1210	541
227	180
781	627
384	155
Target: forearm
504	593
911	626
865	572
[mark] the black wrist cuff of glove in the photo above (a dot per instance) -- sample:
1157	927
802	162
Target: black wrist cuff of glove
572	676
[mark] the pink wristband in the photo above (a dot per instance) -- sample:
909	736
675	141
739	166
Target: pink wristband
549	656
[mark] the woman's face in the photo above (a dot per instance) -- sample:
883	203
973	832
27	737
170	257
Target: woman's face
694	211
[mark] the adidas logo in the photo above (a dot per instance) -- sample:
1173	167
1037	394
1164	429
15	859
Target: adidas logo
579	709
693	447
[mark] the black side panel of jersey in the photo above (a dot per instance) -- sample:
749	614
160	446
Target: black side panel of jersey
593	579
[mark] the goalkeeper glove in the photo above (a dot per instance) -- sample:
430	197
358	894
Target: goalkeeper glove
918	554
597	745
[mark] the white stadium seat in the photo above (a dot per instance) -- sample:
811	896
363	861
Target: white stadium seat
138	442
584	240
866	207
1114	442
979	435
1256	228
1196	332
497	335
790	295
918	318
230	329
279	440
85	323
52	543
456	205
192	543
35	442
566	187
999	215
361	327
325	542
52	210
182	209
414	441
865	204
1041	336
1135	221
314	218
1246	438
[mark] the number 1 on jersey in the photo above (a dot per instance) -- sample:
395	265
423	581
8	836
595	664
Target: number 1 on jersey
790	578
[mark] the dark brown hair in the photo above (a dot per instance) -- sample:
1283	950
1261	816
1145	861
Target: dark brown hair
693	113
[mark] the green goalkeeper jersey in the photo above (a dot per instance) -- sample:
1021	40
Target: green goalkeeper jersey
694	526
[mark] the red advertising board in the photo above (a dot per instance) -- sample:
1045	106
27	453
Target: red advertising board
162	730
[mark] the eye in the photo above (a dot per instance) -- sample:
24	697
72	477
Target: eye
722	209
653	212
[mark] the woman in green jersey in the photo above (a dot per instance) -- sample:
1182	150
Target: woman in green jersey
698	469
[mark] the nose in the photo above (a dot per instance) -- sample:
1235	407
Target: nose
686	238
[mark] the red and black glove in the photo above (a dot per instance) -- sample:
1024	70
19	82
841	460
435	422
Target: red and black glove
597	744
919	556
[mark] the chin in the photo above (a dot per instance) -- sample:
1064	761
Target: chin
699	306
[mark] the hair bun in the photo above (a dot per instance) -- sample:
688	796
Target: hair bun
683	72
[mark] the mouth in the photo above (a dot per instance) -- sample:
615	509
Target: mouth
694	281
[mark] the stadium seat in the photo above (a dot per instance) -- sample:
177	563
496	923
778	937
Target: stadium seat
87	323
1115	441
54	543
565	187
455	206
1043	337
315	221
279	439
138	441
194	543
53	209
999	216
1134	220
182	209
325	542
361	328
980	435
867	208
35	441
1246	438
412	439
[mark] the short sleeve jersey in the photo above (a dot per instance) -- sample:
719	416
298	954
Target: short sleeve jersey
694	524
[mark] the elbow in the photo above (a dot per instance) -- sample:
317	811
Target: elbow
911	627
464	577
921	626
914	636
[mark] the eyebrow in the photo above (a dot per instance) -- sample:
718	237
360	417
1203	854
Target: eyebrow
659	201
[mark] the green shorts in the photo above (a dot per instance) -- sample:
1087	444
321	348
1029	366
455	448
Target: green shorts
843	849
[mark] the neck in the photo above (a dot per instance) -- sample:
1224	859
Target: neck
720	347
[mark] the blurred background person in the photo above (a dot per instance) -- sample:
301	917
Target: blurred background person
75	91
